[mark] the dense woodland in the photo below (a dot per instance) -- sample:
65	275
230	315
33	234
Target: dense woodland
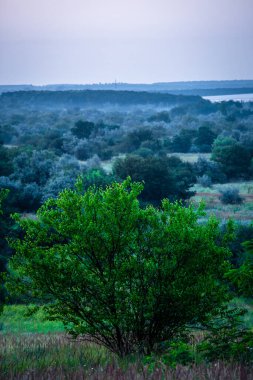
51	140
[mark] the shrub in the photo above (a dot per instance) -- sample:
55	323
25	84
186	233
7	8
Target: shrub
83	129
230	195
204	181
227	339
143	152
242	277
210	168
178	352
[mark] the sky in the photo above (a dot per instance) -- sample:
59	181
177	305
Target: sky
134	41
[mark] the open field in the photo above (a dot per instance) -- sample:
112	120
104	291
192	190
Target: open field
210	195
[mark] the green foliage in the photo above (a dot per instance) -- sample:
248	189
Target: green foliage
230	195
204	139
123	276
234	157
6	166
211	169
242	277
3	195
160	116
183	141
163	177
178	352
34	167
3	229
133	140
243	232
227	339
97	178
83	129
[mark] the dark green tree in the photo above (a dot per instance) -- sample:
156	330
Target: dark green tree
183	141
3	195
160	116
163	177
233	156
204	139
134	139
125	277
6	166
83	129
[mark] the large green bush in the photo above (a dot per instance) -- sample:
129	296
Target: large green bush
117	274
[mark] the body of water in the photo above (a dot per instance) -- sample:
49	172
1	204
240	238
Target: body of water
234	97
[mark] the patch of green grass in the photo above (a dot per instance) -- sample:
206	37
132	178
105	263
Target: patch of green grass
14	319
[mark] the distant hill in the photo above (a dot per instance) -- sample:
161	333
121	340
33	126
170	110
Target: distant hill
202	88
86	98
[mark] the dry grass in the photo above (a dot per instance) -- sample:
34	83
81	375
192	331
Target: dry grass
55	356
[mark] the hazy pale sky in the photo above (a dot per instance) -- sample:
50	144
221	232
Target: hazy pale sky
137	41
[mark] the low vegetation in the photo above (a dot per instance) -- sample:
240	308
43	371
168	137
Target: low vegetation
54	356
